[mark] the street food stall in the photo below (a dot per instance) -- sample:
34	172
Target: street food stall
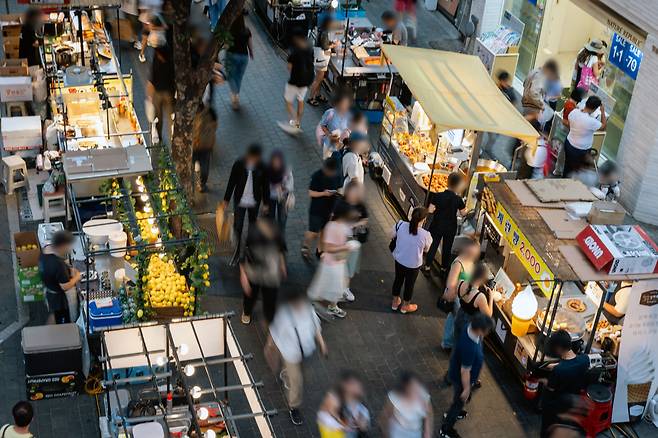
563	261
439	130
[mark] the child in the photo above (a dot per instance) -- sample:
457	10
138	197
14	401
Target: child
300	65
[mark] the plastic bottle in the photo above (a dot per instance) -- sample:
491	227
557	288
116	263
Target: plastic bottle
170	403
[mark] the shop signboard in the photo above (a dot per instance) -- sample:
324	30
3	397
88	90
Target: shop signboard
524	250
637	376
625	55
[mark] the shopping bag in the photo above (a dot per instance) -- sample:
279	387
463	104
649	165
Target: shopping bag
224	225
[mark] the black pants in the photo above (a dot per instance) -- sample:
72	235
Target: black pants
456	407
203	157
443	236
406	276
269	301
238	224
573	158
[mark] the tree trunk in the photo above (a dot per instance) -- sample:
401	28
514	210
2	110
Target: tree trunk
191	83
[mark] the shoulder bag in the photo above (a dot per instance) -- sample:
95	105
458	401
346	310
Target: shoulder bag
393	243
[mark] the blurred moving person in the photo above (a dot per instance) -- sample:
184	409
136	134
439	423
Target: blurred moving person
321	58
322	190
282	190
334	124
204	133
23	414
342	412
237	57
408	411
302	73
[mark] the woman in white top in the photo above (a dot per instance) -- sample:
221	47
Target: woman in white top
408	411
342	413
411	241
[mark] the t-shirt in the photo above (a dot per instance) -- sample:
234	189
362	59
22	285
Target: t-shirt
293	331
352	168
324	205
335	233
568	377
447	204
409	248
569	106
11	433
400	35
54	271
303	71
553	89
240	42
248	199
582	127
467	354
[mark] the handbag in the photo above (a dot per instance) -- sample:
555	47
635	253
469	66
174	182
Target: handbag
393	243
445	305
587	77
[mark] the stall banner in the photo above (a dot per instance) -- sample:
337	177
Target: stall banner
625	55
637	379
529	257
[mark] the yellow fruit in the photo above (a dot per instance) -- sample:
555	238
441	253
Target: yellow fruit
207	283
205	276
140	313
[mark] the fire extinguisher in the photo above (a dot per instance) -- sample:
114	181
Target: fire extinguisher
530	387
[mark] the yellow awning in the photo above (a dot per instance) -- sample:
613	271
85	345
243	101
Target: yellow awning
456	92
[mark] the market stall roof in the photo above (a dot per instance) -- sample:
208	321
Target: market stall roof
457	92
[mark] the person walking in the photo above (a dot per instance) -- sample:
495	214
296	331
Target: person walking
23	414
357	145
59	279
204	133
445	206
330	281
334	124
322	191
300	66
582	126
237	57
248	187
161	86
321	58
353	197
294	334
464	369
411	241
407	412
474	297
282	187
460	270
342	412
262	269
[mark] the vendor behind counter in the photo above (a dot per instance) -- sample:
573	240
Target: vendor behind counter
59	279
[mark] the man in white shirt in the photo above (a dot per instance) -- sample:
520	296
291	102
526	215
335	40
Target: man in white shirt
582	126
352	163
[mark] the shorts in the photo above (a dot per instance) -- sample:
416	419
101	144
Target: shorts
316	222
320	59
293	92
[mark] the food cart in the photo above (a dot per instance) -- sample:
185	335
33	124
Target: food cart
424	139
532	243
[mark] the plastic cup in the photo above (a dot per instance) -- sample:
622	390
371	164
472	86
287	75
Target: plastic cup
520	326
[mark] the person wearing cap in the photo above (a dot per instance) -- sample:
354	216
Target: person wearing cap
587	69
357	145
59	278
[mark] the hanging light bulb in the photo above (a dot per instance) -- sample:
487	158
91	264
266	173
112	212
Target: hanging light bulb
150	220
183	349
203	413
144	197
334	4
155	230
196	392
189	370
211	434
161	361
147	209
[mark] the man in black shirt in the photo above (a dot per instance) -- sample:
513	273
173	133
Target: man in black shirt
300	65
567	376
161	86
445	206
58	276
322	190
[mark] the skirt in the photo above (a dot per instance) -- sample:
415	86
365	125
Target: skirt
329	282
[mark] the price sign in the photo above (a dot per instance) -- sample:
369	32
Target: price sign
625	55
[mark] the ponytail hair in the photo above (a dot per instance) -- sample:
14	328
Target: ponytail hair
417	216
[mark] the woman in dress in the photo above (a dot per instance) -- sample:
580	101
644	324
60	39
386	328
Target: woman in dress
408	410
330	280
342	412
279	176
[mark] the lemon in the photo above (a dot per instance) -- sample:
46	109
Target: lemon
140	313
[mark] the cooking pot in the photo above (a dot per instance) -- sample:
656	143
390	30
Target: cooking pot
65	56
99	230
484	166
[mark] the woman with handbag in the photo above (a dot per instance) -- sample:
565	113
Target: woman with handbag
282	196
587	69
353	198
410	241
262	269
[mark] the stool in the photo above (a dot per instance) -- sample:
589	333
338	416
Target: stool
600	415
10	165
54	204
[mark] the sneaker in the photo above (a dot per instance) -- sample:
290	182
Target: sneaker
463	414
142	58
449	433
290	127
137	45
295	124
336	311
348	295
396	303
283	377
408	308
296	417
245	319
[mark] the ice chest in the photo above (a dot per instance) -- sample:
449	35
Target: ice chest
50	349
103	317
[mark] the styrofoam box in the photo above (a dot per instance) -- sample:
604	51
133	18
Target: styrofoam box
15	89
21	132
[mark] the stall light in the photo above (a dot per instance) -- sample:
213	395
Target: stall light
155	229
196	392
211	434
334	4
144	197
161	361
203	413
140	188
158	244
150	220
53	16
189	370
183	349
147	209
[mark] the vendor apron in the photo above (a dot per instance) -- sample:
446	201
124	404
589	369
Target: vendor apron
57	301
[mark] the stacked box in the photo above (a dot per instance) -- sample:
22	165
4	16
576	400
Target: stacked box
21	132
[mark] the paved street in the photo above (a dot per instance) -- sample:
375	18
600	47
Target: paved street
371	339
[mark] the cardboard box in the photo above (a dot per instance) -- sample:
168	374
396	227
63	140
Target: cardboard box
29	277
10	19
11	43
27	249
11	30
14	67
15	89
33	294
619	249
21	132
606	213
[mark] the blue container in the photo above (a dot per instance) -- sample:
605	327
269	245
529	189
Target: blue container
105	316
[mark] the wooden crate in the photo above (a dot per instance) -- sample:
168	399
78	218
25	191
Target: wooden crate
11	30
13	67
166	314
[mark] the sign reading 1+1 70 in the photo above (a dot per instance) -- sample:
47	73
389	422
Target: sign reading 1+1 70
625	55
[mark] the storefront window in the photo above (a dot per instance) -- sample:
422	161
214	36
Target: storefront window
531	13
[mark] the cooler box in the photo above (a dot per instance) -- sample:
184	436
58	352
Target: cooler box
50	349
52	385
103	317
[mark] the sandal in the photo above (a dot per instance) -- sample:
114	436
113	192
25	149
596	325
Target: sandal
408	308
313	102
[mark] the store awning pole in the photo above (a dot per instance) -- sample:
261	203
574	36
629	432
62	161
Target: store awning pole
545	319
429	186
475	156
81	36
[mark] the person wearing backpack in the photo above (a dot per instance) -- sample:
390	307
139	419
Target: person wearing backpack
408	244
352	164
23	414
